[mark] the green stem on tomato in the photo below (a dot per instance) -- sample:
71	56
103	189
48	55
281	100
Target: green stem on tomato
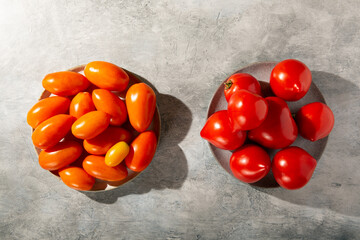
228	84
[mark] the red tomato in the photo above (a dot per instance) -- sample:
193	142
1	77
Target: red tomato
142	150
239	81
96	167
65	83
218	132
279	129
246	110
111	104
315	121
81	104
90	125
250	163
140	103
76	178
100	144
293	167
47	108
52	130
290	80
60	155
107	76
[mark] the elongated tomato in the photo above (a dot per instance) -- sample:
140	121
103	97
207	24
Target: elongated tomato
140	104
52	130
100	144
81	104
96	167
107	76
76	178
60	155
47	108
90	125
65	83
116	154
142	150
111	104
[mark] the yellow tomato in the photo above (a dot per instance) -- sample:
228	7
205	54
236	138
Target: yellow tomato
116	154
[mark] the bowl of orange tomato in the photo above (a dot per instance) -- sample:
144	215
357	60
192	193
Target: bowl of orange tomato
96	126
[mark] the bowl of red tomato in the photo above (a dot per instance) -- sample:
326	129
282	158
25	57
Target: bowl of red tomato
95	126
268	122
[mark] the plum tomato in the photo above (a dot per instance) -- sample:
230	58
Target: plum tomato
239	81
116	154
96	167
76	178
218	132
90	125
81	104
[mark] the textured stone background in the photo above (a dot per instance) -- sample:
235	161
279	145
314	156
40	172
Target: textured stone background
185	49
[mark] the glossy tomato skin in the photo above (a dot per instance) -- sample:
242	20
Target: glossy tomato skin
117	154
65	83
239	81
140	104
279	129
52	130
60	155
250	163
142	151
290	80
293	167
76	178
90	125
47	108
246	110
315	121
111	104
106	75
96	167
218	132
100	144
81	104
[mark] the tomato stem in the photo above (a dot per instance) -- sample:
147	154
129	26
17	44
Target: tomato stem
228	84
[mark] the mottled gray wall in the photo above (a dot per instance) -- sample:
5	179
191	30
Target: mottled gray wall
185	49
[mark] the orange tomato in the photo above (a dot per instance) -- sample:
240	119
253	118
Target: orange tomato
65	83
142	150
60	155
100	144
76	178
52	130
140	104
90	125
96	167
111	104
116	154
107	76
47	108
81	104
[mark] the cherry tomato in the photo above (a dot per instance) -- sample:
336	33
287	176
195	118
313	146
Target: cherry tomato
239	81
279	129
315	121
100	144
246	110
117	154
107	76
60	155
250	163
81	104
65	83
290	80
111	104
52	130
142	150
140	103
76	178
47	108
293	167
218	132
96	167
90	125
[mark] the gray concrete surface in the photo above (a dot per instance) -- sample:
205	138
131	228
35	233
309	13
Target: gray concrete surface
185	49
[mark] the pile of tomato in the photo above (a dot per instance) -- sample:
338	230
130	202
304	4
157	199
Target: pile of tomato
85	113
254	122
